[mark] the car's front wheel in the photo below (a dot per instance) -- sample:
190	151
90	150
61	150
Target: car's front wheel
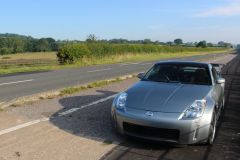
212	130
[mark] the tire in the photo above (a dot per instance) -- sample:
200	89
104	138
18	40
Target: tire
223	103
212	130
115	127
113	124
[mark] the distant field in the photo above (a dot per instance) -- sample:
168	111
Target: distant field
28	59
27	62
29	56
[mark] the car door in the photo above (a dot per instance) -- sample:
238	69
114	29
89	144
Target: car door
217	89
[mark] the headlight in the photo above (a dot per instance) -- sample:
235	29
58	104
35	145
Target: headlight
121	101
195	110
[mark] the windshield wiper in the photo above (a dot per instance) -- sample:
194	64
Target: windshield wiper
195	83
173	81
167	81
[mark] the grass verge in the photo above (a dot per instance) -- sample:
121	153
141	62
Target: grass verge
131	57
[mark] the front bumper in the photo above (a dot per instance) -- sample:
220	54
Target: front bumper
190	131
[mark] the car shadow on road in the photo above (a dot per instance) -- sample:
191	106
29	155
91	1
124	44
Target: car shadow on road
91	122
94	122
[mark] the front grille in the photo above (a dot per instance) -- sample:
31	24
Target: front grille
170	134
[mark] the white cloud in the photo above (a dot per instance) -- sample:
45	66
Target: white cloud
232	9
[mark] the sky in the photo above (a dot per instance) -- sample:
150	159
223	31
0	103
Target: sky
163	20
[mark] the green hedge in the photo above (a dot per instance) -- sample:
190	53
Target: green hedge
71	53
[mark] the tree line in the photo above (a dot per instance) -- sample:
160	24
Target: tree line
14	43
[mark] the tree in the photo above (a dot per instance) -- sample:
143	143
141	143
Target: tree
120	40
52	44
202	44
91	38
225	44
169	43
147	41
221	43
42	45
14	43
4	51
18	45
209	44
178	41
228	45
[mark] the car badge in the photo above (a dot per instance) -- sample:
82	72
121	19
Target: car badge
149	113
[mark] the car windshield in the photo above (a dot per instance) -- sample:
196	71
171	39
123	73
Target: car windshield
179	73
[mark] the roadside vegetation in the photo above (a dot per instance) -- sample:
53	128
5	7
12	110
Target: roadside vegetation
72	90
26	54
30	65
73	53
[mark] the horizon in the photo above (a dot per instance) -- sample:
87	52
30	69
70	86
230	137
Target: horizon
164	21
172	41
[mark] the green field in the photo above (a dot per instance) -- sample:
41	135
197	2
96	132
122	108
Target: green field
42	61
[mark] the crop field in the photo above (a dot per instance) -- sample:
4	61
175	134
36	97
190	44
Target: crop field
28	59
30	56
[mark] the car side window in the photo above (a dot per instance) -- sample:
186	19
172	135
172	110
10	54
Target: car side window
215	75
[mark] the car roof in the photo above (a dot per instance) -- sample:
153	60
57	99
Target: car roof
192	63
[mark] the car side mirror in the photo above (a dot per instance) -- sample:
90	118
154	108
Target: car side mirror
220	80
140	75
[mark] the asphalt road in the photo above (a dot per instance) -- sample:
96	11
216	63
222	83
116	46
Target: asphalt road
24	84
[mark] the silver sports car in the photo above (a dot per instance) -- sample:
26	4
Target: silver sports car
177	102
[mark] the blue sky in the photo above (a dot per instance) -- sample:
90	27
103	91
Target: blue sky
163	20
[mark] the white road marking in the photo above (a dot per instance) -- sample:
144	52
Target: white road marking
129	63
87	105
99	70
7	83
8	130
24	125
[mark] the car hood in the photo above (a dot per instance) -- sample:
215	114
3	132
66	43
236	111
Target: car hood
164	97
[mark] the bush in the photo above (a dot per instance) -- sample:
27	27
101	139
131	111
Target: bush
71	53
